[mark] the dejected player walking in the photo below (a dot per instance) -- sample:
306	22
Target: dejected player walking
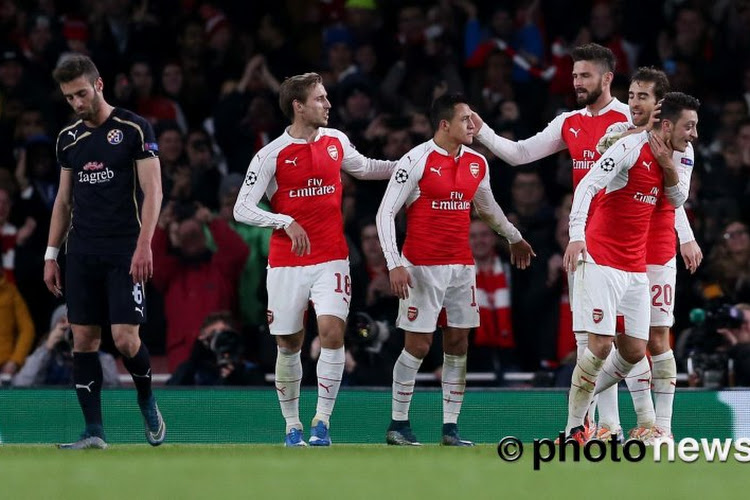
107	204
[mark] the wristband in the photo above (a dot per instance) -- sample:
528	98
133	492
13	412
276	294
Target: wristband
51	253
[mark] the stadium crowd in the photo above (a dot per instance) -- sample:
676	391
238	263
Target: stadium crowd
207	74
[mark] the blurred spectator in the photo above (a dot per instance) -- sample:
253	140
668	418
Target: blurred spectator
252	292
17	88
216	357
729	263
371	285
194	278
137	92
204	173
534	305
245	117
10	237
51	363
16	328
493	346
738	347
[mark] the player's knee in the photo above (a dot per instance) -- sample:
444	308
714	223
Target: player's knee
290	344
419	346
127	346
600	345
658	342
632	352
457	346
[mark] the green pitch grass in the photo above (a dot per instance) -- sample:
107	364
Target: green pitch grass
347	472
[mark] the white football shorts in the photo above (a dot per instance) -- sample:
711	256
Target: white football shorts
661	281
452	287
602	292
328	285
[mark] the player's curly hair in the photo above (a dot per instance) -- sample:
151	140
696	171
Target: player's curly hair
596	53
73	66
649	74
296	88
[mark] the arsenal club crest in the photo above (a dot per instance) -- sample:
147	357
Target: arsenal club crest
333	152
269	316
474	169
412	313
597	315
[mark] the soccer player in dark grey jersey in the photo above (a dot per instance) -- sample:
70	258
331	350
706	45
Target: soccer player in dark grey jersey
107	204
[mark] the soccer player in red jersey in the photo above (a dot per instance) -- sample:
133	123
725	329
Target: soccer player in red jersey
579	131
439	181
608	254
648	86
308	259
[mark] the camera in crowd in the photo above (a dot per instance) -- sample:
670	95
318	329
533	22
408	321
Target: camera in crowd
226	346
65	344
365	333
707	360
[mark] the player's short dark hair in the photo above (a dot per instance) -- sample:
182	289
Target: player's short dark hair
674	104
650	74
444	107
216	317
296	88
595	53
73	66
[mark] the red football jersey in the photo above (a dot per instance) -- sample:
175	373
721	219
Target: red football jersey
617	232
302	180
578	131
438	190
662	241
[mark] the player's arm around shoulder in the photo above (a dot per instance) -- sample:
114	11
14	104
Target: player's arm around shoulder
360	166
614	133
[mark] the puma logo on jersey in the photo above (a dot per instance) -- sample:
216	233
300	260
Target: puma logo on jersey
140	310
437	170
73	134
293	161
647	164
87	386
574	131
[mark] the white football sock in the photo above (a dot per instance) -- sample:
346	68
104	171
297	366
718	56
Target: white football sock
582	342
404	374
330	370
582	385
454	385
288	380
665	382
639	385
615	369
609	410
